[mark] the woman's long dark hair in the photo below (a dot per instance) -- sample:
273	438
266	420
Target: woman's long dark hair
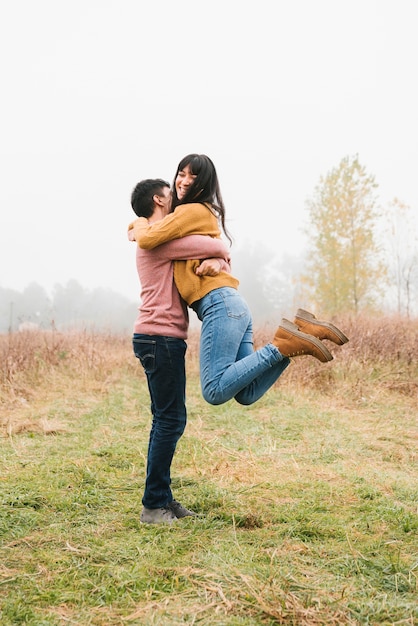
205	187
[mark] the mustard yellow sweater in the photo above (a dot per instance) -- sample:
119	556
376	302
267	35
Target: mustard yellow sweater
187	219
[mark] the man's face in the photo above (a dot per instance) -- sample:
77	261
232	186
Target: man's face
166	200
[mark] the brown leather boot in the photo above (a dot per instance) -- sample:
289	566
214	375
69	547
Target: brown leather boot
292	342
308	323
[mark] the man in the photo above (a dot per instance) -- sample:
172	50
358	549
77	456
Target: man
160	331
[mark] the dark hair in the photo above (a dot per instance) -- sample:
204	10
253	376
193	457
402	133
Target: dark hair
205	187
142	195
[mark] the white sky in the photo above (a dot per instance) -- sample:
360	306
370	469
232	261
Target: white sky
98	94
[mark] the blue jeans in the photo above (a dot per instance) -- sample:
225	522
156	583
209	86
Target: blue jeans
229	366
163	361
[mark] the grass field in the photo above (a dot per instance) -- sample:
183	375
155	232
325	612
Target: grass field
308	500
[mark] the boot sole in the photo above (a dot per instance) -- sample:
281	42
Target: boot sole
294	330
309	317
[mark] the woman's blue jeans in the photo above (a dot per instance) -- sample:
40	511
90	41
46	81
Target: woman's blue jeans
229	366
163	360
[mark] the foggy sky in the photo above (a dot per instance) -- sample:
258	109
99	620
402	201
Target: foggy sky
98	94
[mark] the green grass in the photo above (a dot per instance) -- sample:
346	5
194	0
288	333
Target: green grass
308	509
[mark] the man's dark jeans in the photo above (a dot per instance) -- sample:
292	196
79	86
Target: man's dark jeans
163	360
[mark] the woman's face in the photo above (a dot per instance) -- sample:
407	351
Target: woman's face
184	180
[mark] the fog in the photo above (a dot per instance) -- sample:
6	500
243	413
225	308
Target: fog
98	94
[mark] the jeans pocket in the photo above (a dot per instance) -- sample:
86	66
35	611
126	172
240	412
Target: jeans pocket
235	306
145	351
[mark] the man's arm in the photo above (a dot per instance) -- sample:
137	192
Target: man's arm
212	252
195	247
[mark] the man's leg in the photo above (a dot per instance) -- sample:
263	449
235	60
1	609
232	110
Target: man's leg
163	360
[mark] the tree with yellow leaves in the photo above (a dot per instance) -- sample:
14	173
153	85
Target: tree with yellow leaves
344	270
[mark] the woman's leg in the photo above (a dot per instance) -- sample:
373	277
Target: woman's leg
262	383
229	366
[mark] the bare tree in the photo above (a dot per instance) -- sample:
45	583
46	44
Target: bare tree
402	245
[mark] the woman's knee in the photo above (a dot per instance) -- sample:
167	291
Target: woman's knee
212	396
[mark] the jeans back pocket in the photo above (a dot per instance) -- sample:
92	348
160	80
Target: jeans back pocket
145	351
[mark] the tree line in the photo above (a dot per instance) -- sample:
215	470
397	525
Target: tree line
70	306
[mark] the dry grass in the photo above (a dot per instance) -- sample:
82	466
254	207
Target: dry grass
308	498
37	367
382	351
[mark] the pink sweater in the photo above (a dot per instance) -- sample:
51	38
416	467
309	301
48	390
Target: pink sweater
162	311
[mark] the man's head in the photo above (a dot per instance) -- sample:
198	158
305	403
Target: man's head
149	194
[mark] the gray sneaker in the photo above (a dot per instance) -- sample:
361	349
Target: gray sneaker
179	510
164	515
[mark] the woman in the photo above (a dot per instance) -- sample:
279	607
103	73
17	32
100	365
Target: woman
229	365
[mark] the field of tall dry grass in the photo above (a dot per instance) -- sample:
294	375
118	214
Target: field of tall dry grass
307	500
381	357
